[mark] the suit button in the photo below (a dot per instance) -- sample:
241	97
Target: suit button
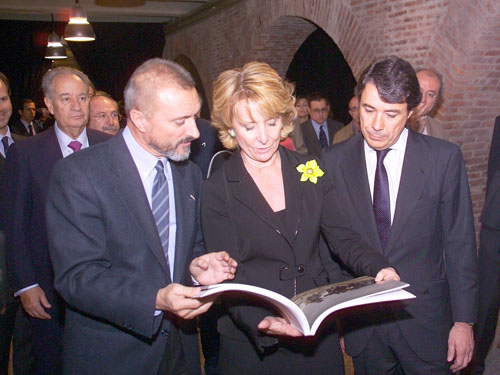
164	332
300	269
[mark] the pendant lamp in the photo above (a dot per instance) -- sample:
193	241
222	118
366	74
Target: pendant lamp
55	50
78	28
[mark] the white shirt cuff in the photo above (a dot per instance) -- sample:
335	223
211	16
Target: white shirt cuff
21	291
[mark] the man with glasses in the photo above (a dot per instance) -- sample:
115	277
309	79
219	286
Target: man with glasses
104	114
319	130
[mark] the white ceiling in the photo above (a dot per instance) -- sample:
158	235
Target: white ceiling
101	10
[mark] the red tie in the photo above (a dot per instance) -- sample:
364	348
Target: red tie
75	146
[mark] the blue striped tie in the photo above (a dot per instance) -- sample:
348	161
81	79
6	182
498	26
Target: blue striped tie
160	207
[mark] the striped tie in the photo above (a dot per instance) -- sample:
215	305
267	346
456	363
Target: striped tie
160	207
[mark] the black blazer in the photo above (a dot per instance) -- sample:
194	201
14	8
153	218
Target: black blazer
237	218
491	211
27	171
311	139
97	208
431	244
19	128
15	138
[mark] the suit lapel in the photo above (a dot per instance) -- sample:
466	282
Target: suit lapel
416	167
185	211
130	190
353	168
245	190
294	191
49	148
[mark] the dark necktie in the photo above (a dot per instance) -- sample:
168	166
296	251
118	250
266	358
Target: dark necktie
160	207
5	142
381	199
75	146
322	137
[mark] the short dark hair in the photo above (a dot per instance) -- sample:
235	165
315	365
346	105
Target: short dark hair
316	96
5	81
24	101
395	80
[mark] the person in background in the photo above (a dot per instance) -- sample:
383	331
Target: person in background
26	125
296	135
104	114
257	209
319	130
431	87
408	196
351	129
27	170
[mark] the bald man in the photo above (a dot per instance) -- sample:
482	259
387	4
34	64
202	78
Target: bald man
431	87
104	114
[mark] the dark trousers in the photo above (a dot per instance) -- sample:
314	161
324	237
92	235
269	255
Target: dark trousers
489	297
14	326
173	361
388	353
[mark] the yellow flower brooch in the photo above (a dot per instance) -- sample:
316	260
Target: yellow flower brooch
310	171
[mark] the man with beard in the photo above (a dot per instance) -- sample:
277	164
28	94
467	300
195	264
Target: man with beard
104	114
123	228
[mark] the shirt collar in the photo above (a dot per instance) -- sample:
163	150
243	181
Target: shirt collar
144	160
7	133
399	146
316	125
65	139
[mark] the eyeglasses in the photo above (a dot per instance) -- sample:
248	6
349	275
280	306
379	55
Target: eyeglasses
102	116
320	110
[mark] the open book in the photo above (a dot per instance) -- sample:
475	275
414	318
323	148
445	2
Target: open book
307	310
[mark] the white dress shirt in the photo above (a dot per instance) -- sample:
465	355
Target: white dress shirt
393	163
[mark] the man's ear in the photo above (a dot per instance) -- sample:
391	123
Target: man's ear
139	120
49	105
20	112
409	114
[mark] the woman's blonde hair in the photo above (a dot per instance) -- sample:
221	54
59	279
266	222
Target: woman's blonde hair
259	83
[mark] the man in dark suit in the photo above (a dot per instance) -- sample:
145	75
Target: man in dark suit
27	170
489	258
128	212
319	130
204	147
26	125
13	323
408	196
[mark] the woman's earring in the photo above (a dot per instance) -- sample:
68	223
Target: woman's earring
231	132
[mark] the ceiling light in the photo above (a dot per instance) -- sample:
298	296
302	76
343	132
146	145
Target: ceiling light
55	49
78	28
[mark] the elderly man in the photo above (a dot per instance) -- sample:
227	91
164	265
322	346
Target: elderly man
128	210
408	196
351	129
104	114
431	87
27	169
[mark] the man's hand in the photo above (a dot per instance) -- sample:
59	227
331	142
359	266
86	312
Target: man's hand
213	268
178	299
460	345
35	302
278	327
386	274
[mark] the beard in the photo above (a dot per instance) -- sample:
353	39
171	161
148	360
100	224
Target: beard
171	151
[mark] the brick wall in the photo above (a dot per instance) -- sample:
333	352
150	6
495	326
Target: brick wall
460	38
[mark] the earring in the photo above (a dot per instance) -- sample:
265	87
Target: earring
231	132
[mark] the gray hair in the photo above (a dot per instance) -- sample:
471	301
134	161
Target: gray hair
148	78
48	79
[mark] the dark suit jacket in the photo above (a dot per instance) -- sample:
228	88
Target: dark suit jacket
16	138
3	273
19	128
311	139
109	263
491	211
431	244
237	218
27	171
203	148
